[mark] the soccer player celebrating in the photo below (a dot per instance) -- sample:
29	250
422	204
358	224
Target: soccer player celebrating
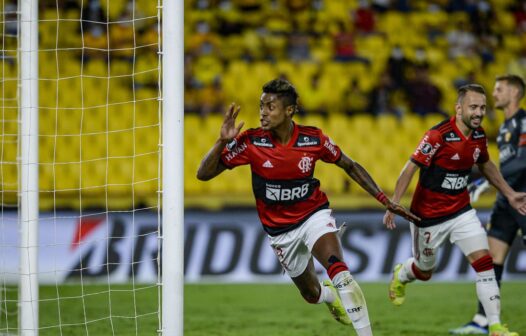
504	220
294	211
445	157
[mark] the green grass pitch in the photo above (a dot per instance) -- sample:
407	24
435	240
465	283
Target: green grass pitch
257	310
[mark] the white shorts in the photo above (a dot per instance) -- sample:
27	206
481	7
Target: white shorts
465	231
293	248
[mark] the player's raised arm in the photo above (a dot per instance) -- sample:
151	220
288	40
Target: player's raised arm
362	177
517	199
211	165
405	178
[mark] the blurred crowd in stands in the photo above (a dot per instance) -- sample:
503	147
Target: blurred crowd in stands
479	37
387	56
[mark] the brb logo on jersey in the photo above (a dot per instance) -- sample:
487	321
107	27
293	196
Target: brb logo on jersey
455	182
305	164
275	192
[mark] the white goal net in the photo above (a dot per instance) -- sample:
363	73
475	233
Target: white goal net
99	169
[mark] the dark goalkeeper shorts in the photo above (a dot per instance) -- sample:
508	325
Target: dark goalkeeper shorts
505	222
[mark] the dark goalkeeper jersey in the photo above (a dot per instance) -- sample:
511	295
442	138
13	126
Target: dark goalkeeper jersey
445	157
283	180
512	153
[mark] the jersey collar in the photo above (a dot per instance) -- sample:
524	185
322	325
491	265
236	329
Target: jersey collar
292	140
453	122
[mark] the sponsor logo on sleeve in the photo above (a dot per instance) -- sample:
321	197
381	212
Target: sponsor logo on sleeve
423	144
231	145
331	147
426	148
307	140
235	151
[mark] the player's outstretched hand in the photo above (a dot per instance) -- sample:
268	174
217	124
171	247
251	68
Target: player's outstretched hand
395	208
389	221
229	130
518	202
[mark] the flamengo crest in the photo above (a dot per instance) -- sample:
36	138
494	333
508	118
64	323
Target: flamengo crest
305	164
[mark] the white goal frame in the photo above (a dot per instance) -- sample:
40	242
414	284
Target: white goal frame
172	192
173	167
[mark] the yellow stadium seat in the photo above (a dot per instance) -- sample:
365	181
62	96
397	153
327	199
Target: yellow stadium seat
66	177
431	120
113	8
387	124
46	144
67	149
93	175
314	120
9	177
46	182
336	128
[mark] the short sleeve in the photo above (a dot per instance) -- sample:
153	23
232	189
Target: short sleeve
330	152
483	157
427	148
235	152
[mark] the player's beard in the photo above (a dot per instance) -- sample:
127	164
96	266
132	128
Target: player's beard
468	121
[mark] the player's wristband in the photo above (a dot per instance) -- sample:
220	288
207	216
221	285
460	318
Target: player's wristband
381	198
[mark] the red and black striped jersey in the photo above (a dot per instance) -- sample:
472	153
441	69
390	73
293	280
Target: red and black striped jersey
445	157
283	180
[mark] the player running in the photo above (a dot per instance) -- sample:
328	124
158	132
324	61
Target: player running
445	157
294	211
504	220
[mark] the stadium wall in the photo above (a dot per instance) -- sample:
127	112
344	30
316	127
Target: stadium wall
219	247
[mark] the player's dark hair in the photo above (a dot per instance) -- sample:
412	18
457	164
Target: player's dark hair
284	90
469	87
515	81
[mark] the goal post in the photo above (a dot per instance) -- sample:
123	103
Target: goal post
173	167
92	172
28	212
